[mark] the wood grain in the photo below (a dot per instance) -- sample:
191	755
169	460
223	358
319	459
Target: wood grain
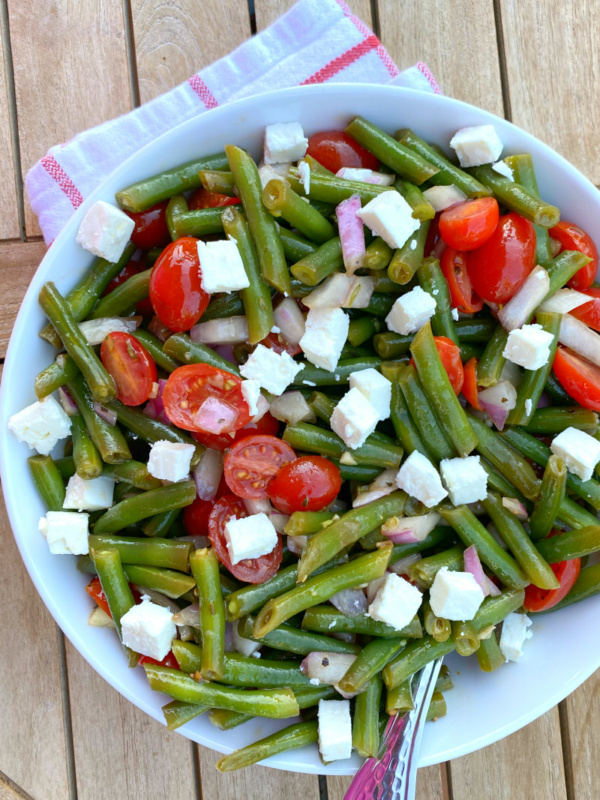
580	737
18	262
430	785
267	11
553	74
9	220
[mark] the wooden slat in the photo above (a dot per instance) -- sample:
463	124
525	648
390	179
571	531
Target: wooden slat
553	73
18	262
9	221
456	40
267	11
32	740
70	72
174	42
580	737
430	785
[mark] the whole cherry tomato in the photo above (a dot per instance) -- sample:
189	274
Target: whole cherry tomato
468	225
454	266
150	227
572	237
253	461
175	285
337	149
309	483
131	366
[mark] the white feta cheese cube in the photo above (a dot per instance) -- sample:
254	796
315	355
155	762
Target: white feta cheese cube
465	479
272	371
251	393
411	311
92	495
221	266
250	537
455	314
96	330
455	595
324	336
365	176
105	231
442	197
476	145
335	730
579	451
148	629
244	646
514	635
529	346
284	141
292	408
389	215
354	418
376	388
170	461
420	479
396	602
66	532
304	172
502	168
41	425
269	172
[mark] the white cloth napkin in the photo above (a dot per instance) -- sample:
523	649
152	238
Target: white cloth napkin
314	42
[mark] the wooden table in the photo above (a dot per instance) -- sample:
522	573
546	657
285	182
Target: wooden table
64	733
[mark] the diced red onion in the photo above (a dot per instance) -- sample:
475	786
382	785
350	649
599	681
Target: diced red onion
520	307
159	329
443	197
493	590
155	408
244	646
279	520
351	602
384	484
199	542
229	638
259	505
401	567
100	619
581	339
215	416
158	598
328	668
229	330
291	407
352	233
225	351
207	474
67	402
153	391
96	330
373	587
473	565
332	293
516	507
262	404
106	414
296	544
407	530
190	615
544	401
365	176
438	248
498	401
564	300
290	320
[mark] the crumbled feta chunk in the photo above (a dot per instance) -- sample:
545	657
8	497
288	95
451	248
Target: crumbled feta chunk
529	346
455	595
354	418
528	406
148	629
244	646
442	197
272	371
502	168
420	479
365	176
514	635
221	266
476	145
66	532
324	337
335	730
465	479
579	451
455	314
284	141
411	311
396	602
105	231
389	215
304	172
96	330
250	537
376	388
41	425
251	393
92	495
292	408
170	461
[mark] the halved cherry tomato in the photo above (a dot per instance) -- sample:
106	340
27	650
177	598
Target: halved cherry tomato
469	388
253	461
589	312
309	483
449	355
96	592
572	237
202	398
336	149
278	343
499	267
168	661
433	236
204	198
150	227
454	267
131	366
266	425
175	285
195	516
468	225
250	570
130	269
579	378
567	573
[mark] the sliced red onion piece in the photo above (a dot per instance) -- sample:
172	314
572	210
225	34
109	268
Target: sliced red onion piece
365	176
291	407
229	638
106	414
229	330
67	402
401	567
384	484
96	330
296	544
215	416
225	351
199	542
564	300
259	505
352	233
516	507
332	293
262	404
544	401
327	668
581	339
493	590
279	521
190	615
157	597
244	646
373	587
351	602
290	320
159	329
207	474
407	530
522	305
439	248
498	401
473	565
155	408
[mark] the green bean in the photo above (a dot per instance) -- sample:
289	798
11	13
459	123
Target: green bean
124	296
177	205
475	330
48	481
440	536
552	494
108	439
273	703
178	713
444	681
256	297
471	531
331	189
425	570
557	394
358	473
166	581
406	431
421	207
160	524
205	569
228	304
327	619
314	268
517	198
447	173
440	392
217	181
312	439
492	361
437	627
369	663
432	280
321	587
563	268
262	225
533	383
183	349
423	415
63	370
380	304
365	722
550	421
132	472
363	329
437	707
398	157
282	201
347	530
142	506
316	376
573	515
293	640
407	259
399	700
378	254
392	345
227	720
114	583
155	347
298	735
571	544
198	222
586	585
86	457
302	523
465	638
524	173
525	552
295	247
489	655
166	553
56	308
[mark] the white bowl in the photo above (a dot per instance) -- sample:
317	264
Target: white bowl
482	708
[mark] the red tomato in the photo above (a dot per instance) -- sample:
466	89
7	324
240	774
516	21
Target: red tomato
203	198
498	268
567	572
150	227
337	149
195	517
130	269
145	308
433	236
253	461
309	483
450	357
250	570
578	377
468	225
131	366
571	237
469	388
266	425
96	592
175	285
199	395
589	312
454	267
276	342
168	661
